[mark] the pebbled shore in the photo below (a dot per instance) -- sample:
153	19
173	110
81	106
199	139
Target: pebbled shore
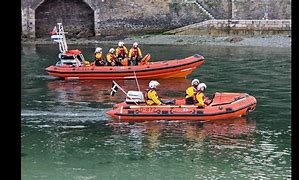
281	41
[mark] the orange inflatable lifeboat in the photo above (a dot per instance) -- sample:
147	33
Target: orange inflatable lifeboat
72	65
145	70
223	106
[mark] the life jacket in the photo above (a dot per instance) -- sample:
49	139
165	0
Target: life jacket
98	56
135	52
190	92
111	58
99	60
199	98
120	51
152	97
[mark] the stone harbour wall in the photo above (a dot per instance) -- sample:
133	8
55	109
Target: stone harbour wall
262	9
85	18
67	11
236	27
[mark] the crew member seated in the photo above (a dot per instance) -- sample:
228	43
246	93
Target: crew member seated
98	57
201	99
191	92
135	55
111	58
152	97
121	52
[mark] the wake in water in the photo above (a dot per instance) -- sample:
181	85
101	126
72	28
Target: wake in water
79	116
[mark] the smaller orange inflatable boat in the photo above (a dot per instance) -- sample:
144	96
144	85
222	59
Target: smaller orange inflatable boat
223	106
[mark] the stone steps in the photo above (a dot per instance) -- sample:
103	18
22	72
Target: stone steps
200	7
204	10
284	25
195	25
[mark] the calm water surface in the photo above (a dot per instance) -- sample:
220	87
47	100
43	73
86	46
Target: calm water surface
65	133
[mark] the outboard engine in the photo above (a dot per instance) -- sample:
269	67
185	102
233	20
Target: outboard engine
136	96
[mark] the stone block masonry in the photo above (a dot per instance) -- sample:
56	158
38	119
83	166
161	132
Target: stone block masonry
235	27
84	18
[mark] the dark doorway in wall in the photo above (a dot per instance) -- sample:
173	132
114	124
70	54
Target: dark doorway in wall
77	18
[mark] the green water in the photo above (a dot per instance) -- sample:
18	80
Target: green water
65	133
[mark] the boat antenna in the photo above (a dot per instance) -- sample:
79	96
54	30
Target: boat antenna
58	35
136	81
62	42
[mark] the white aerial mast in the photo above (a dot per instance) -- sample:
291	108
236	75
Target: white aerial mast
58	35
62	41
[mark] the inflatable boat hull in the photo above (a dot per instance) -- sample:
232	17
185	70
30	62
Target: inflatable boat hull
223	106
153	70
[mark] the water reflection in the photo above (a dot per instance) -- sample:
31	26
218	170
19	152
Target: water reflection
29	49
64	136
99	90
228	132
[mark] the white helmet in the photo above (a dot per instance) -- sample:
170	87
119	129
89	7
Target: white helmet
98	49
135	44
111	50
201	87
153	84
120	43
195	82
